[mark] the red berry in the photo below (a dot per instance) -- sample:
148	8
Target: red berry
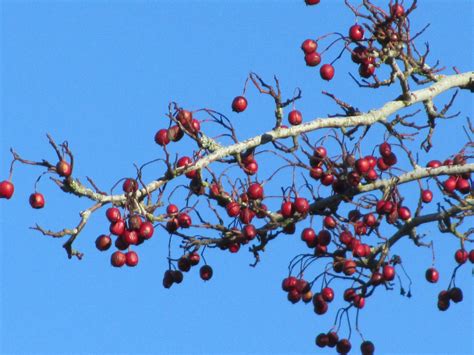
385	149
324	237
362	166
343	346
118	259
161	137
450	184
333	338
322	339
370	220
463	186
146	230
367	348
345	237
321	308
434	164
327	179
312	2
309	236
249	231
371	175
287	209
255	191
359	301
184	264
233	209
461	256
432	275
131	258
130	185
130	237
103	242
397	10
328	294
349	294
184	220
301	205
246	215
251	168
356	32
382	165
471	256
113	214
6	189
118	227
205	272
329	222
37	200
295	117
172	210
312	59
390	160
234	247
366	70
194	258
185	162
349	267
426	196
455	294
289	283
358	54
239	104
63	168
327	72
388	272
175	133
135	222
309	46
404	213
302	286
376	278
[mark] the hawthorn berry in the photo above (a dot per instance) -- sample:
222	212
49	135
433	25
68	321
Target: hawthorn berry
161	137
461	256
356	32
327	72
426	196
312	59
239	104
63	168
6	189
118	259
130	185
432	275
113	214
37	200
146	230
295	117
103	242
322	340
309	46
205	272
131	258
255	191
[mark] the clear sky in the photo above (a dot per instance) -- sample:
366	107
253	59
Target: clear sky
100	74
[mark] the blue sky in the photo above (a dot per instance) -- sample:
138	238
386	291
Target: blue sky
101	74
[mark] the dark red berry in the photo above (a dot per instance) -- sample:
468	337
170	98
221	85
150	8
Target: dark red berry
356	32
37	200
239	104
327	72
